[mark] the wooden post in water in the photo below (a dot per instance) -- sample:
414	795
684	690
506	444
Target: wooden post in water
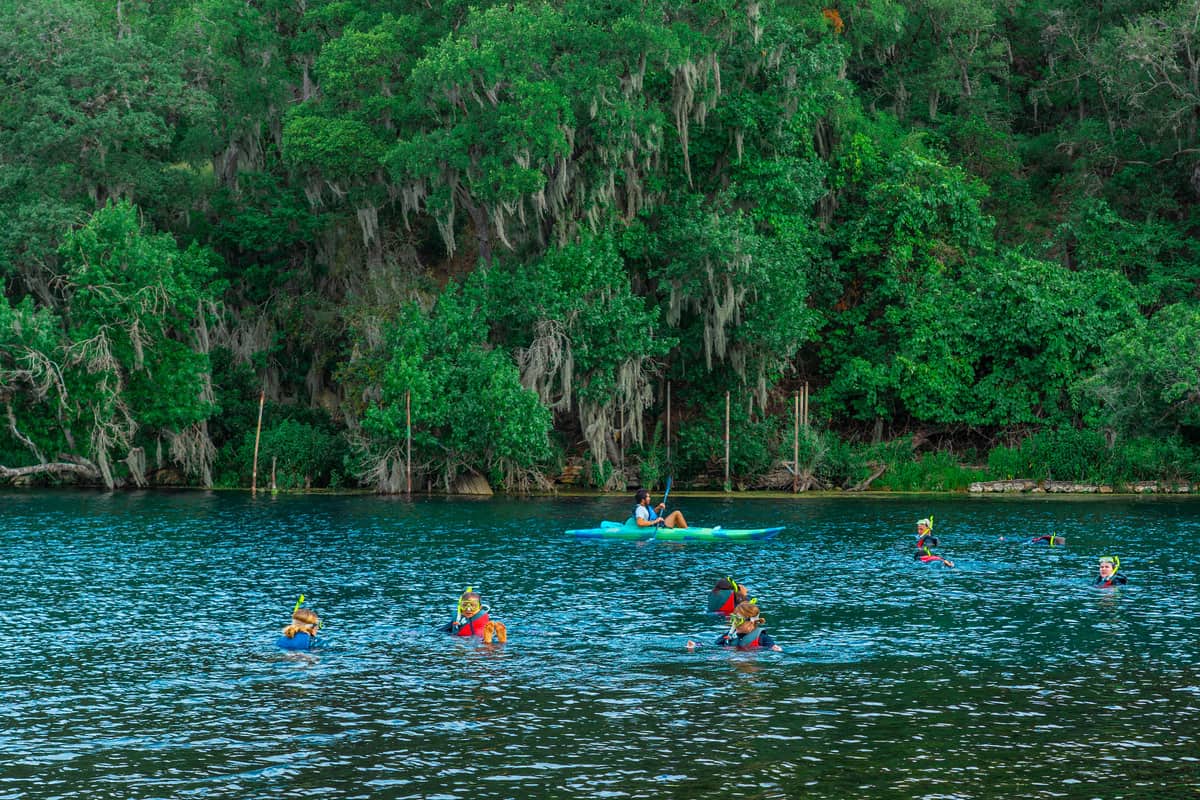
262	396
668	425
621	442
727	441
796	443
408	441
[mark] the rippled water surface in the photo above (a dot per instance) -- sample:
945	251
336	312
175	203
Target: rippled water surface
138	657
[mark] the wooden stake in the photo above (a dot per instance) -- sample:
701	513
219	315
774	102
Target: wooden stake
621	442
668	424
727	441
408	439
262	396
796	443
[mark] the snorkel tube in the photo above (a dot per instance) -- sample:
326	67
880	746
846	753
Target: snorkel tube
459	619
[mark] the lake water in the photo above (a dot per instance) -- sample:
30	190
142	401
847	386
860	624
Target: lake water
138	657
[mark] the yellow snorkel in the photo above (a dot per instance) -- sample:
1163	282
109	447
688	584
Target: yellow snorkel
459	618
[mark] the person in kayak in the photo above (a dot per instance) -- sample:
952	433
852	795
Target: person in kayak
471	619
646	517
726	595
1108	577
746	629
1051	540
926	541
302	633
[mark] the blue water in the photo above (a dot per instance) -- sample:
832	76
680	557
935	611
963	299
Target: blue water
138	657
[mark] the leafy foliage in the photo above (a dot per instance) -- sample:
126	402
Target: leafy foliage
468	407
975	218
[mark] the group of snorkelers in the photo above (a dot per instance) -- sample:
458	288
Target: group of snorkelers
728	598
926	541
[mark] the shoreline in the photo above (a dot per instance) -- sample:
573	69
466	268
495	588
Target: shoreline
1062	490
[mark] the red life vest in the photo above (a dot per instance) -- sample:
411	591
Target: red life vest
750	640
473	626
716	606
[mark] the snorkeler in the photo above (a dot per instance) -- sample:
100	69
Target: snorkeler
1108	577
746	631
1049	539
302	633
725	596
471	619
925	542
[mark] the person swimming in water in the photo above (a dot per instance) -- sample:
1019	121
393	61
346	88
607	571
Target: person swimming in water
746	630
926	541
472	619
302	633
726	595
1049	539
1108	577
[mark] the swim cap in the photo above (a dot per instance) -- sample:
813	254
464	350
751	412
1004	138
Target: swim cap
924	523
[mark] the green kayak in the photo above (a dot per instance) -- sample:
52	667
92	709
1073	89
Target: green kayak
630	530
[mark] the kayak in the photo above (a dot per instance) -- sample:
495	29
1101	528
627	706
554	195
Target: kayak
717	534
615	530
630	531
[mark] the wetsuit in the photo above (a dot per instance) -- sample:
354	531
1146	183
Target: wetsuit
1111	581
747	641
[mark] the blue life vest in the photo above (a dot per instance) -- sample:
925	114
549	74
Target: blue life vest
301	641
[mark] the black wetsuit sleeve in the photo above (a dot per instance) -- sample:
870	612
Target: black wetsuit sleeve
765	640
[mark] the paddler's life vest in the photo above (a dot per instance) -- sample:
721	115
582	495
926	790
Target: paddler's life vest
721	601
472	626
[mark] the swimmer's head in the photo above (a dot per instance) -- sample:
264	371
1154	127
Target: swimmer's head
469	603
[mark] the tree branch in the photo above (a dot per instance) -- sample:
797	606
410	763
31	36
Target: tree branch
83	470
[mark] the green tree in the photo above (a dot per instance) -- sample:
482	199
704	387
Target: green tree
469	409
1149	382
129	372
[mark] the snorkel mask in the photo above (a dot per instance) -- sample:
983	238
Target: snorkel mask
1112	560
737	620
469	604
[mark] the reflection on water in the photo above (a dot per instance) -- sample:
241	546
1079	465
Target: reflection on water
138	657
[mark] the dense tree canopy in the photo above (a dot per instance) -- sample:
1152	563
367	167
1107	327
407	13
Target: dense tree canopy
521	226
